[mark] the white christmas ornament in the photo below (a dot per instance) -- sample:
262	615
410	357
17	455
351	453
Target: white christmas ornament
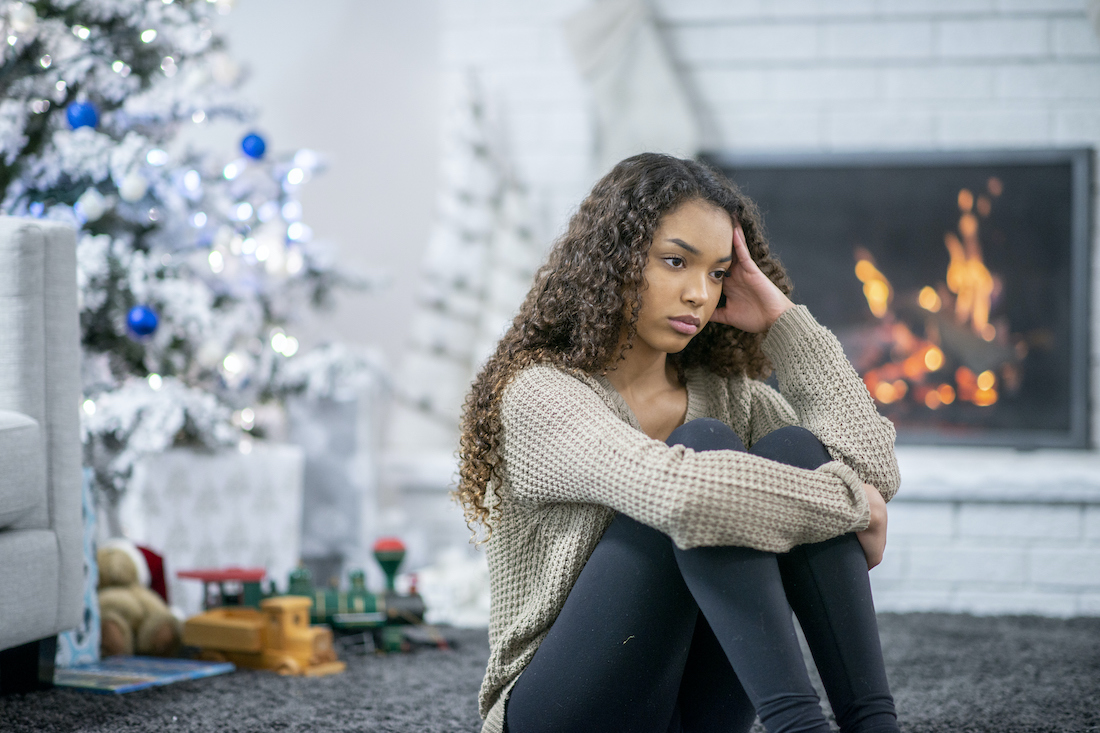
133	187
23	17
224	69
92	204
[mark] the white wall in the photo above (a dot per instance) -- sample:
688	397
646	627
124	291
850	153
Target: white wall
974	530
357	81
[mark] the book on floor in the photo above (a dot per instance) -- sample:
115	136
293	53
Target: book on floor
116	675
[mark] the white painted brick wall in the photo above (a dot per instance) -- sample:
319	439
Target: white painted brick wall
1002	38
1007	533
877	40
1020	521
833	75
1092	525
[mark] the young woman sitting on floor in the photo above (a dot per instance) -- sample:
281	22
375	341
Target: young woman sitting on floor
654	511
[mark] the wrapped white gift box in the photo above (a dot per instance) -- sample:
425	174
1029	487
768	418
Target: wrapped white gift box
212	510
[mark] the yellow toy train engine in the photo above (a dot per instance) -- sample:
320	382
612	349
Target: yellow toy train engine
278	636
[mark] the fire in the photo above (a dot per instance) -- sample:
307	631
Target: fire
876	288
967	293
968	277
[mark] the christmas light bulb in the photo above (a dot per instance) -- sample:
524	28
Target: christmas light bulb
192	180
232	363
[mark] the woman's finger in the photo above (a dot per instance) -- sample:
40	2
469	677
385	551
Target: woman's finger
741	249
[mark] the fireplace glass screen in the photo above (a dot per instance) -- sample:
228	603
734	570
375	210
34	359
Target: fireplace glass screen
958	284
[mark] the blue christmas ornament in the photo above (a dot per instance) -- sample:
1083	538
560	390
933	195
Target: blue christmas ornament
142	320
253	146
82	114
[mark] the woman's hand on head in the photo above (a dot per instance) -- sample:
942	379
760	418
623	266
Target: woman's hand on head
873	539
753	302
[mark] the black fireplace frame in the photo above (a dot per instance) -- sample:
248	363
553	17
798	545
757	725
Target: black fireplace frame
1082	166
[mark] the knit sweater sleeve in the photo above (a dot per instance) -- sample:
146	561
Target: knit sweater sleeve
562	443
819	390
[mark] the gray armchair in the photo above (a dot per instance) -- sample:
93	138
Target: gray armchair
41	556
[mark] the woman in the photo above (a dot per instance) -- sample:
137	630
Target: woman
643	563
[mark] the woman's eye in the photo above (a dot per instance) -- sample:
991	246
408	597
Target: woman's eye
675	261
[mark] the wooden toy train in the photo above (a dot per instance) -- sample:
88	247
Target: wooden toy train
250	627
276	636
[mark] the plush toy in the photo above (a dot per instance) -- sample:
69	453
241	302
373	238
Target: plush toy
134	619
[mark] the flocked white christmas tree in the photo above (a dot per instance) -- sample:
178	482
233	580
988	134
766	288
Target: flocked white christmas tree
477	269
191	263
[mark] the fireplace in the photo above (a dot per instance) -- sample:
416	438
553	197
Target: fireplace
958	283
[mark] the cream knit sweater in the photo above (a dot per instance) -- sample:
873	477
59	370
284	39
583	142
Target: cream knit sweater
574	454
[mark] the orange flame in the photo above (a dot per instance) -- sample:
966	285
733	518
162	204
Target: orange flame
876	288
969	279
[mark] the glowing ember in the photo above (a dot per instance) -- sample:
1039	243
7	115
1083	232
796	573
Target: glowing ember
966	200
985	381
985	206
929	300
933	358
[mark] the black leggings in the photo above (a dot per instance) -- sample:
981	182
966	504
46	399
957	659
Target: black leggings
631	652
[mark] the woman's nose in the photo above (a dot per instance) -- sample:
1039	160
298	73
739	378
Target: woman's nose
695	291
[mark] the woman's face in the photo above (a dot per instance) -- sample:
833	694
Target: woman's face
691	251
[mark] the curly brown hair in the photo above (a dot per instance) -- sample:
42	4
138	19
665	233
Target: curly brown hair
574	315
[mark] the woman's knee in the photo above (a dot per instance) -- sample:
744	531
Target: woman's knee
793	445
706	433
627	543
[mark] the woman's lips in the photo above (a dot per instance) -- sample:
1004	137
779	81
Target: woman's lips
685	324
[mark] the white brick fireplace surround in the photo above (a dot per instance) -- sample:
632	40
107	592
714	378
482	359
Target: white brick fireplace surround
976	530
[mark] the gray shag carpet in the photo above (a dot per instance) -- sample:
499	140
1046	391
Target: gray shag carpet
949	674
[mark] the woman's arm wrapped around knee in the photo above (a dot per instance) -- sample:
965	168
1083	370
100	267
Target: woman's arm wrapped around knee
561	443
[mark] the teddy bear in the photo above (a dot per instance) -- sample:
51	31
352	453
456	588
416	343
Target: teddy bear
133	619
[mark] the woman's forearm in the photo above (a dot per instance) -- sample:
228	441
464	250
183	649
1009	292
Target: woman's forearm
829	399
